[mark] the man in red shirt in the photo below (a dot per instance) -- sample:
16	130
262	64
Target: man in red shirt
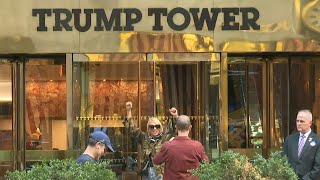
181	154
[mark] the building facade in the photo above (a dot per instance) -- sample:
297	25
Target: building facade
240	69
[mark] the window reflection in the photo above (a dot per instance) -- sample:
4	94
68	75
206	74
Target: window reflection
101	87
305	89
177	86
147	95
101	90
5	107
190	82
255	104
5	118
245	102
237	87
46	104
280	105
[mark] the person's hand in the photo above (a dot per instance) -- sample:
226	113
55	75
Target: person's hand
173	111
171	139
129	106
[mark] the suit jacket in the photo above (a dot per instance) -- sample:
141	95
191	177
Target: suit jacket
307	166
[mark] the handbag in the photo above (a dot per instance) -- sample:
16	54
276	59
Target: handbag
149	171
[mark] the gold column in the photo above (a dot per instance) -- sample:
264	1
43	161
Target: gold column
265	110
84	104
150	58
19	121
223	103
198	115
69	88
272	127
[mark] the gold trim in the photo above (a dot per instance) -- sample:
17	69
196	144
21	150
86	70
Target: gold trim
297	5
265	110
198	123
305	16
271	106
69	101
160	117
223	103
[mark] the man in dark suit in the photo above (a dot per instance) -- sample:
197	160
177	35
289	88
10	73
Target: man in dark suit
303	148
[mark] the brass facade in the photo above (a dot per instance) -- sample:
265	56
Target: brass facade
285	26
264	90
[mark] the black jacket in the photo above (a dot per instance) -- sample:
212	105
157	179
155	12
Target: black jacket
307	166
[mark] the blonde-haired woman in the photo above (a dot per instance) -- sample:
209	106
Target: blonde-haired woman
152	140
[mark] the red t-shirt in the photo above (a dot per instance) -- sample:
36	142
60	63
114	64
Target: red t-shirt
180	155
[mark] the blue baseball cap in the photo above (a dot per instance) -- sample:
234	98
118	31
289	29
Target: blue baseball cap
102	137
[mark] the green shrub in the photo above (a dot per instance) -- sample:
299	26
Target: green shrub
230	165
208	171
233	166
64	169
276	167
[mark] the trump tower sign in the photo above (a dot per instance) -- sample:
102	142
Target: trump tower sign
110	26
69	19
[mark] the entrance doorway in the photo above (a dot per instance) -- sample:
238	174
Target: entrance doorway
258	103
11	96
103	83
264	95
32	110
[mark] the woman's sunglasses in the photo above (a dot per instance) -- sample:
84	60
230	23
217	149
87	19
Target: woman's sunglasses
154	126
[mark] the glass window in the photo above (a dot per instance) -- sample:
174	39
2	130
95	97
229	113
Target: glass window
190	82
46	127
305	89
246	84
237	105
279	114
102	84
6	119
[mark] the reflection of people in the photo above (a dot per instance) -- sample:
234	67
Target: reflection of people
303	148
181	154
98	145
153	139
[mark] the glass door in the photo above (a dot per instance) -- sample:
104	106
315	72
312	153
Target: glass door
190	82
6	117
258	103
11	115
45	122
279	108
32	111
103	83
245	104
305	89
